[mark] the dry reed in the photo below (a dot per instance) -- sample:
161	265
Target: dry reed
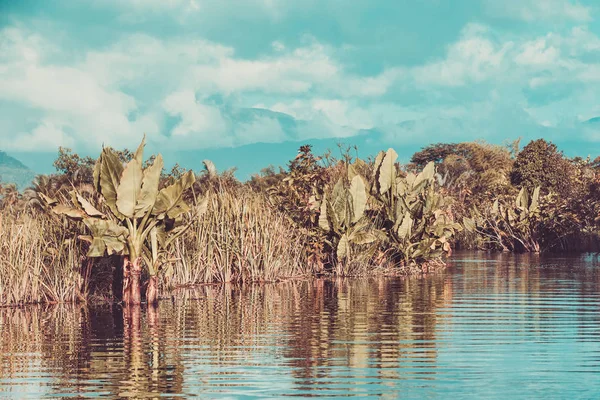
37	262
239	238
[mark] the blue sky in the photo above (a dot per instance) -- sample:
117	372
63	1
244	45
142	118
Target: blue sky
246	81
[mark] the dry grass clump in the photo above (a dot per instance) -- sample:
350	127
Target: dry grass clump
239	238
37	263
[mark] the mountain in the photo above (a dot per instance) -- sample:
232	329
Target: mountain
14	171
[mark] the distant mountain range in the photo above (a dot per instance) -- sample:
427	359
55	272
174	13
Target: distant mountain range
578	139
14	171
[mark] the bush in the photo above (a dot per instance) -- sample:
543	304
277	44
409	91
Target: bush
541	164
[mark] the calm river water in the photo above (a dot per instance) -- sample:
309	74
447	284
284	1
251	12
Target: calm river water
487	327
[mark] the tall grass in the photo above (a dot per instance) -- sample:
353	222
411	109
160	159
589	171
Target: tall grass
239	238
37	262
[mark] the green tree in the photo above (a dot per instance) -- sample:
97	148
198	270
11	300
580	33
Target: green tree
541	164
436	152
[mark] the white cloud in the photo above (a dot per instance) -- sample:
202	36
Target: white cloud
537	52
484	56
69	94
191	11
43	137
140	83
260	130
196	118
539	10
473	58
345	113
95	102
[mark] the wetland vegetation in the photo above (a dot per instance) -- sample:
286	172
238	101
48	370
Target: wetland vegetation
122	227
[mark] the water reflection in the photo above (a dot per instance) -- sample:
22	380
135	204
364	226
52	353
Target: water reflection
488	327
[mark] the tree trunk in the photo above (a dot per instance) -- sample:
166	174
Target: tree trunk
132	293
126	298
152	290
136	272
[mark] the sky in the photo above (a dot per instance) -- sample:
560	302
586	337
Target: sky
245	82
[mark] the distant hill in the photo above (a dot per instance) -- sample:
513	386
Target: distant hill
14	171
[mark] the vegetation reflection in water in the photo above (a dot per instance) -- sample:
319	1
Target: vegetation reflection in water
494	328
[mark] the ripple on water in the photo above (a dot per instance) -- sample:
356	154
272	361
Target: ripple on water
497	327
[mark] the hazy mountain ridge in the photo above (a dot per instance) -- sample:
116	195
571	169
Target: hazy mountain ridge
14	171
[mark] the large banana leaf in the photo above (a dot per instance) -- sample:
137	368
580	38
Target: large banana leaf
323	220
405	227
110	176
339	202
343	248
149	191
426	175
359	198
88	207
169	199
129	188
387	171
69	211
107	235
139	153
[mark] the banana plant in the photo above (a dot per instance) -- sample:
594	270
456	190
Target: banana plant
133	218
417	218
342	216
509	225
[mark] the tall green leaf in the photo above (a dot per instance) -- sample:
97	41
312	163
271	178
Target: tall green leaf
535	200
339	202
110	175
343	248
359	198
139	153
323	221
129	188
96	173
427	174
149	191
469	224
405	227
210	168
69	211
387	171
169	198
88	207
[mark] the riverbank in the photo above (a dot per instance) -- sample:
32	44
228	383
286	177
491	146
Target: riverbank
122	228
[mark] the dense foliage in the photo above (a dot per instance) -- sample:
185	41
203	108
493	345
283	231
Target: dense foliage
541	164
108	228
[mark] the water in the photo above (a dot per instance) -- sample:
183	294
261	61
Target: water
488	327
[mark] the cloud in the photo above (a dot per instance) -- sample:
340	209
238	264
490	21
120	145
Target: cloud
472	59
485	57
44	136
195	117
260	130
537	52
188	85
111	94
536	10
188	11
68	94
346	113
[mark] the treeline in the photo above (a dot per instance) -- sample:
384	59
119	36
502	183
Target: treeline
121	226
532	199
